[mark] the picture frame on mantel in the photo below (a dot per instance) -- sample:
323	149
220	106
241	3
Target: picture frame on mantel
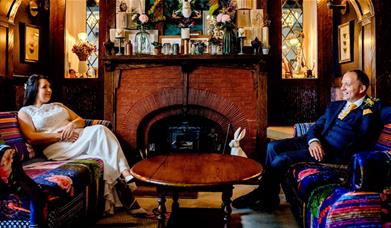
29	43
345	42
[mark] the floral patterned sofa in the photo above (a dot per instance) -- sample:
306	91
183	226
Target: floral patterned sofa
37	192
354	195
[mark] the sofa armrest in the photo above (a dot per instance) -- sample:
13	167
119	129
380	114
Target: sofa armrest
15	183
371	171
301	129
90	122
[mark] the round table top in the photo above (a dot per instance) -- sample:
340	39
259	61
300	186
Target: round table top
196	170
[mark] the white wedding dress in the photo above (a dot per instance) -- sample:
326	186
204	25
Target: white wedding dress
94	141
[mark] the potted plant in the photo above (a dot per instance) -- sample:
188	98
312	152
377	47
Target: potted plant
157	48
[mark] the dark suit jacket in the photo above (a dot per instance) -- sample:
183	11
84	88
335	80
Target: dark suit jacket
362	124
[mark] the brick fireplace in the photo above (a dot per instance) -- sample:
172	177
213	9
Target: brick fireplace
147	97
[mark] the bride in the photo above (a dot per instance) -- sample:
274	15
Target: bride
64	135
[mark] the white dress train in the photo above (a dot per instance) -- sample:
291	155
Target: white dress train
94	141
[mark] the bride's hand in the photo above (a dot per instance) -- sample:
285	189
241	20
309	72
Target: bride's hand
72	138
67	132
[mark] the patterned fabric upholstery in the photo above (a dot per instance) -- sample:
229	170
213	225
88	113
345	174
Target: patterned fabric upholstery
301	128
90	122
309	176
358	195
384	141
358	209
63	192
9	131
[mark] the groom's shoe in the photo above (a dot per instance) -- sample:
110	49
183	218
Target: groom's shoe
247	200
267	204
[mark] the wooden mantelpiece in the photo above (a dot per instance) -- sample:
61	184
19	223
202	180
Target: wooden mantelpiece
227	89
111	62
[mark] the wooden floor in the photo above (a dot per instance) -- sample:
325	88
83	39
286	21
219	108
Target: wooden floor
205	212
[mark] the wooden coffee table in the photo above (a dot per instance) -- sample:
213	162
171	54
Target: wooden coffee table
195	172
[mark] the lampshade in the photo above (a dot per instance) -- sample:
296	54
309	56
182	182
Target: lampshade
82	36
244	4
243	18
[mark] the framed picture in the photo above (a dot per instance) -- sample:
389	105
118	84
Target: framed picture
30	43
199	39
345	42
171	40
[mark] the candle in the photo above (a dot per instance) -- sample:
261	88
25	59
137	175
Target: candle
241	32
185	33
121	20
265	36
119	33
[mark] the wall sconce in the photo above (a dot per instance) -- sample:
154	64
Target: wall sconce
343	7
82	36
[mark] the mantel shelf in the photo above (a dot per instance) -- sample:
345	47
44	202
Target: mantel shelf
182	60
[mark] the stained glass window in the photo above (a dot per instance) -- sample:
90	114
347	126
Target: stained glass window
293	60
93	36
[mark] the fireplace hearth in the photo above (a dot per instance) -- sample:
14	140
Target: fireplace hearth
185	103
182	134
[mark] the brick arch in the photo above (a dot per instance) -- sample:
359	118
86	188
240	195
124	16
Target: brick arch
213	107
147	123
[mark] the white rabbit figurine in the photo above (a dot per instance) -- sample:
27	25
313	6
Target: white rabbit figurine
234	144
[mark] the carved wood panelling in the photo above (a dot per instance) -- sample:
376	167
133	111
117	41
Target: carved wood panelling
82	98
298	103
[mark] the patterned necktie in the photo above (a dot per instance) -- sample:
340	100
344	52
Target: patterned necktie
347	111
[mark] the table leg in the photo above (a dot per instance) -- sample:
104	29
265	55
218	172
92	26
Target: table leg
226	205
161	209
175	204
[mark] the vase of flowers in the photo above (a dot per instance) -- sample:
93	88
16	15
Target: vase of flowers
229	36
82	68
225	22
142	39
83	50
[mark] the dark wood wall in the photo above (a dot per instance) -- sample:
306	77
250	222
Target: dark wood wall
13	69
383	50
303	100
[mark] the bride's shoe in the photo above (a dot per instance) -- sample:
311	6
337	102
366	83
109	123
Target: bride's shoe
136	211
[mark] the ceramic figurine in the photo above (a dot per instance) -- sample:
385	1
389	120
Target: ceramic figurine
234	144
109	46
255	44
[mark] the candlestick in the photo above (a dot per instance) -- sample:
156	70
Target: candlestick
265	36
185	33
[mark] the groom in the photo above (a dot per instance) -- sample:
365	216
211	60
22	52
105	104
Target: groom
346	127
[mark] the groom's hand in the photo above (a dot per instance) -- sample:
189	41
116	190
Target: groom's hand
316	150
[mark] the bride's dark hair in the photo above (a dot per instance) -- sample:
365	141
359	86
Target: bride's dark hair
31	88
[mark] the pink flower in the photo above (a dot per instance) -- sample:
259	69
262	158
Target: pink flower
143	18
63	182
219	17
225	18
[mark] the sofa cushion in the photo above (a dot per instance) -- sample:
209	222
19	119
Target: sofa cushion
319	204
355	209
65	178
9	131
384	140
